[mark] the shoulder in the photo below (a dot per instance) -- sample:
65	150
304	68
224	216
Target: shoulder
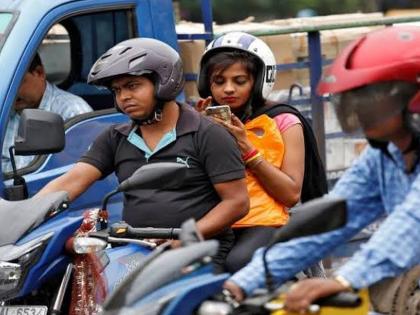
122	129
286	120
367	162
192	121
64	103
116	132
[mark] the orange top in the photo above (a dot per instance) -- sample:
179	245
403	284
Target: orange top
264	210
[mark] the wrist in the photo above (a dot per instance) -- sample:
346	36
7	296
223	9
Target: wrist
249	154
245	147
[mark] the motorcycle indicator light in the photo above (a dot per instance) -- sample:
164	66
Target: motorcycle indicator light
214	307
86	245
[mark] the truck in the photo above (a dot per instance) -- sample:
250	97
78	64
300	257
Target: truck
80	31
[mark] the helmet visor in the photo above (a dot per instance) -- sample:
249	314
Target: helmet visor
370	106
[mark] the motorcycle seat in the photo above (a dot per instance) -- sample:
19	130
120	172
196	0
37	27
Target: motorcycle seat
18	217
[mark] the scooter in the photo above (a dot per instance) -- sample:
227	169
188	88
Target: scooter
181	281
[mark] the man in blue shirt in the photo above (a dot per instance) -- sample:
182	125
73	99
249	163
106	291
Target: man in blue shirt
36	92
375	90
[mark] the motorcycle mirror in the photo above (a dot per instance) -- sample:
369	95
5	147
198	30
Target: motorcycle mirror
150	176
155	175
313	217
317	216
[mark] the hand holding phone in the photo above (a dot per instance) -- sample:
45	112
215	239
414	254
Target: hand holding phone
221	112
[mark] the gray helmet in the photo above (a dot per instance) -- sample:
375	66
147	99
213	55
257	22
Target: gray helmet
140	56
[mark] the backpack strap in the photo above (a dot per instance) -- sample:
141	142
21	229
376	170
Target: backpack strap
314	178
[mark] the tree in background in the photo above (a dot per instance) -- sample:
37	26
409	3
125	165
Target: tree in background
228	11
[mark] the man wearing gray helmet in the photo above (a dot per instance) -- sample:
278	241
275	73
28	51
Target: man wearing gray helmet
145	76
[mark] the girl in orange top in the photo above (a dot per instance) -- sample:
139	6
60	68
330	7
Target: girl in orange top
238	69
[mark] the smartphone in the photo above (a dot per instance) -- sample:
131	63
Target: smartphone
222	112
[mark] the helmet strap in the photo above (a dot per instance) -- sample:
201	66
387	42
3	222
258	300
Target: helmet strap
154	116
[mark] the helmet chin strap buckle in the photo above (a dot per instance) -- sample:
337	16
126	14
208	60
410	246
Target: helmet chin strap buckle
156	117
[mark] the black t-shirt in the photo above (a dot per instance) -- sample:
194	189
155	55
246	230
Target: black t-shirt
209	151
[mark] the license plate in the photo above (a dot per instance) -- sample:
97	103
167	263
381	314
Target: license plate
23	310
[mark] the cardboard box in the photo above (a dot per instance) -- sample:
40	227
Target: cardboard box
287	48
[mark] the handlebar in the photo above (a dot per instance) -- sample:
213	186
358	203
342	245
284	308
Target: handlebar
123	230
342	299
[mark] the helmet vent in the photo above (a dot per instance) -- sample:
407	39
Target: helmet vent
124	51
136	61
105	56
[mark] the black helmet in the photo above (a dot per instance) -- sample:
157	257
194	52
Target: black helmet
140	56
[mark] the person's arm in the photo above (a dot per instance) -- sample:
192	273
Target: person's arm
233	206
285	183
393	249
220	156
360	187
96	163
76	181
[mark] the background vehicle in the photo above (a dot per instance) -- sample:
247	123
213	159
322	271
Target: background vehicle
90	28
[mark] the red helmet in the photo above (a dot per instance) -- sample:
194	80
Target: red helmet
389	54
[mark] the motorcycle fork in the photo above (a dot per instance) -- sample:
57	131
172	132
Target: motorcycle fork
58	302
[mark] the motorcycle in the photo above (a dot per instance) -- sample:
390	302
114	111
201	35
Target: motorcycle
35	264
104	257
181	281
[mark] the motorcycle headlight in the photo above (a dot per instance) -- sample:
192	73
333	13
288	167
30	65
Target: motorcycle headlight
15	262
10	274
214	308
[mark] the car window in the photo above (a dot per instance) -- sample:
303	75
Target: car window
6	19
55	54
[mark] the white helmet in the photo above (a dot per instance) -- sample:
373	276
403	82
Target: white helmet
264	82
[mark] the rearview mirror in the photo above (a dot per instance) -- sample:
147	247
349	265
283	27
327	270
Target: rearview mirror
40	132
317	216
154	176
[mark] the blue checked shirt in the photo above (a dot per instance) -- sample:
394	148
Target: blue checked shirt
54	100
375	185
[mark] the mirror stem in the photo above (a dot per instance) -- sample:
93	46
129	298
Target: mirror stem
12	160
269	281
19	183
103	213
106	198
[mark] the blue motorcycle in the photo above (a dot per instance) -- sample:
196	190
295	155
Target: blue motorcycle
181	281
36	263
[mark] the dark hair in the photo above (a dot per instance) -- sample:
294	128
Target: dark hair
36	61
223	60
